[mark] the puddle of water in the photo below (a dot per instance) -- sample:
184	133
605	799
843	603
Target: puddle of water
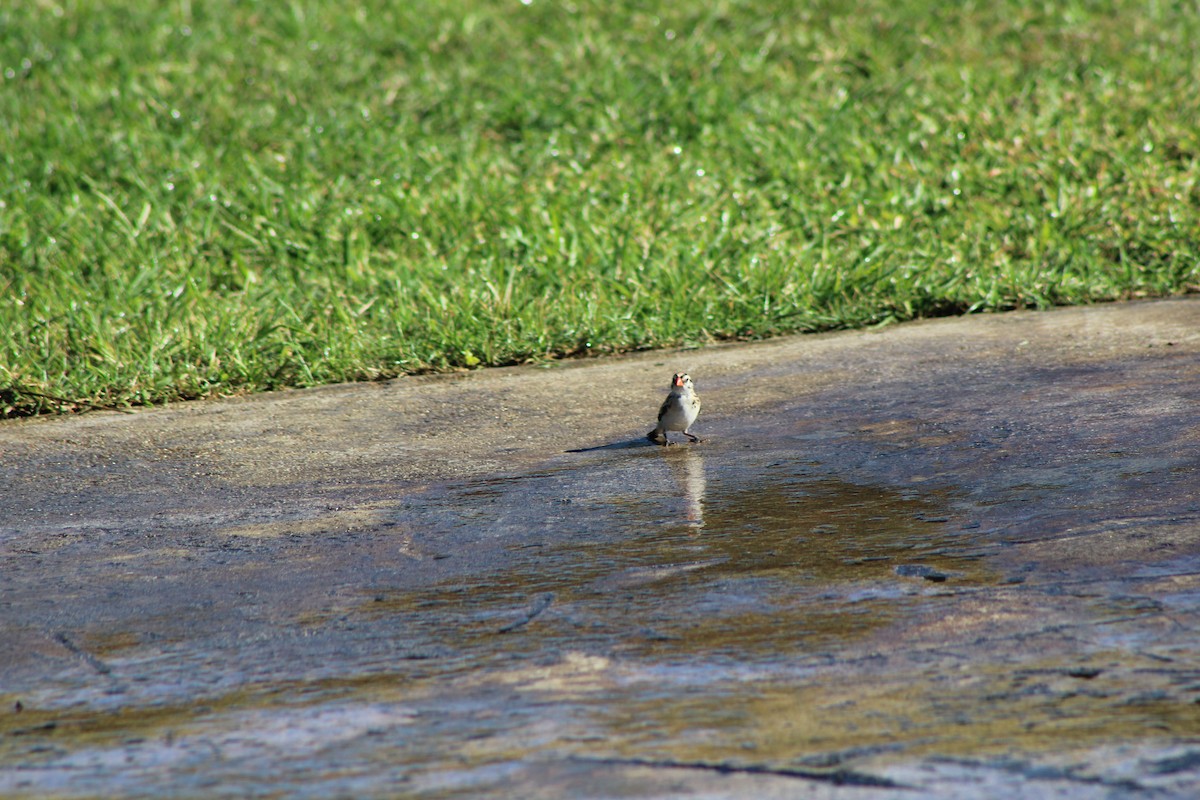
654	558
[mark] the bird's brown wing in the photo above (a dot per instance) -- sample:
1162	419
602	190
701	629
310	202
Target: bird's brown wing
662	411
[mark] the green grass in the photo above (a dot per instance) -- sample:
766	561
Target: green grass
204	198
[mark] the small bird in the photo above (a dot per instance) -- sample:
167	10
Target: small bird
678	411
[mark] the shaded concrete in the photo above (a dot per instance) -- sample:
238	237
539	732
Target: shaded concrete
957	558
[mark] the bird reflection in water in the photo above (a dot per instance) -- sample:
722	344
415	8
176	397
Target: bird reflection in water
687	468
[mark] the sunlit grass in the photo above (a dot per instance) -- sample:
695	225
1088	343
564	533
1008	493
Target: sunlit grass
218	197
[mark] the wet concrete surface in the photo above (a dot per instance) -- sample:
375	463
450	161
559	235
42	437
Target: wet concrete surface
958	558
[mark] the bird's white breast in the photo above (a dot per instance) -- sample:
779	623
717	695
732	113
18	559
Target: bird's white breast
680	412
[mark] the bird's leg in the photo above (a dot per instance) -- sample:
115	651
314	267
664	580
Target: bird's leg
692	437
654	437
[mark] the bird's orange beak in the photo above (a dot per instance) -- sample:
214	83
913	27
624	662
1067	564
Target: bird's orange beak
679	380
